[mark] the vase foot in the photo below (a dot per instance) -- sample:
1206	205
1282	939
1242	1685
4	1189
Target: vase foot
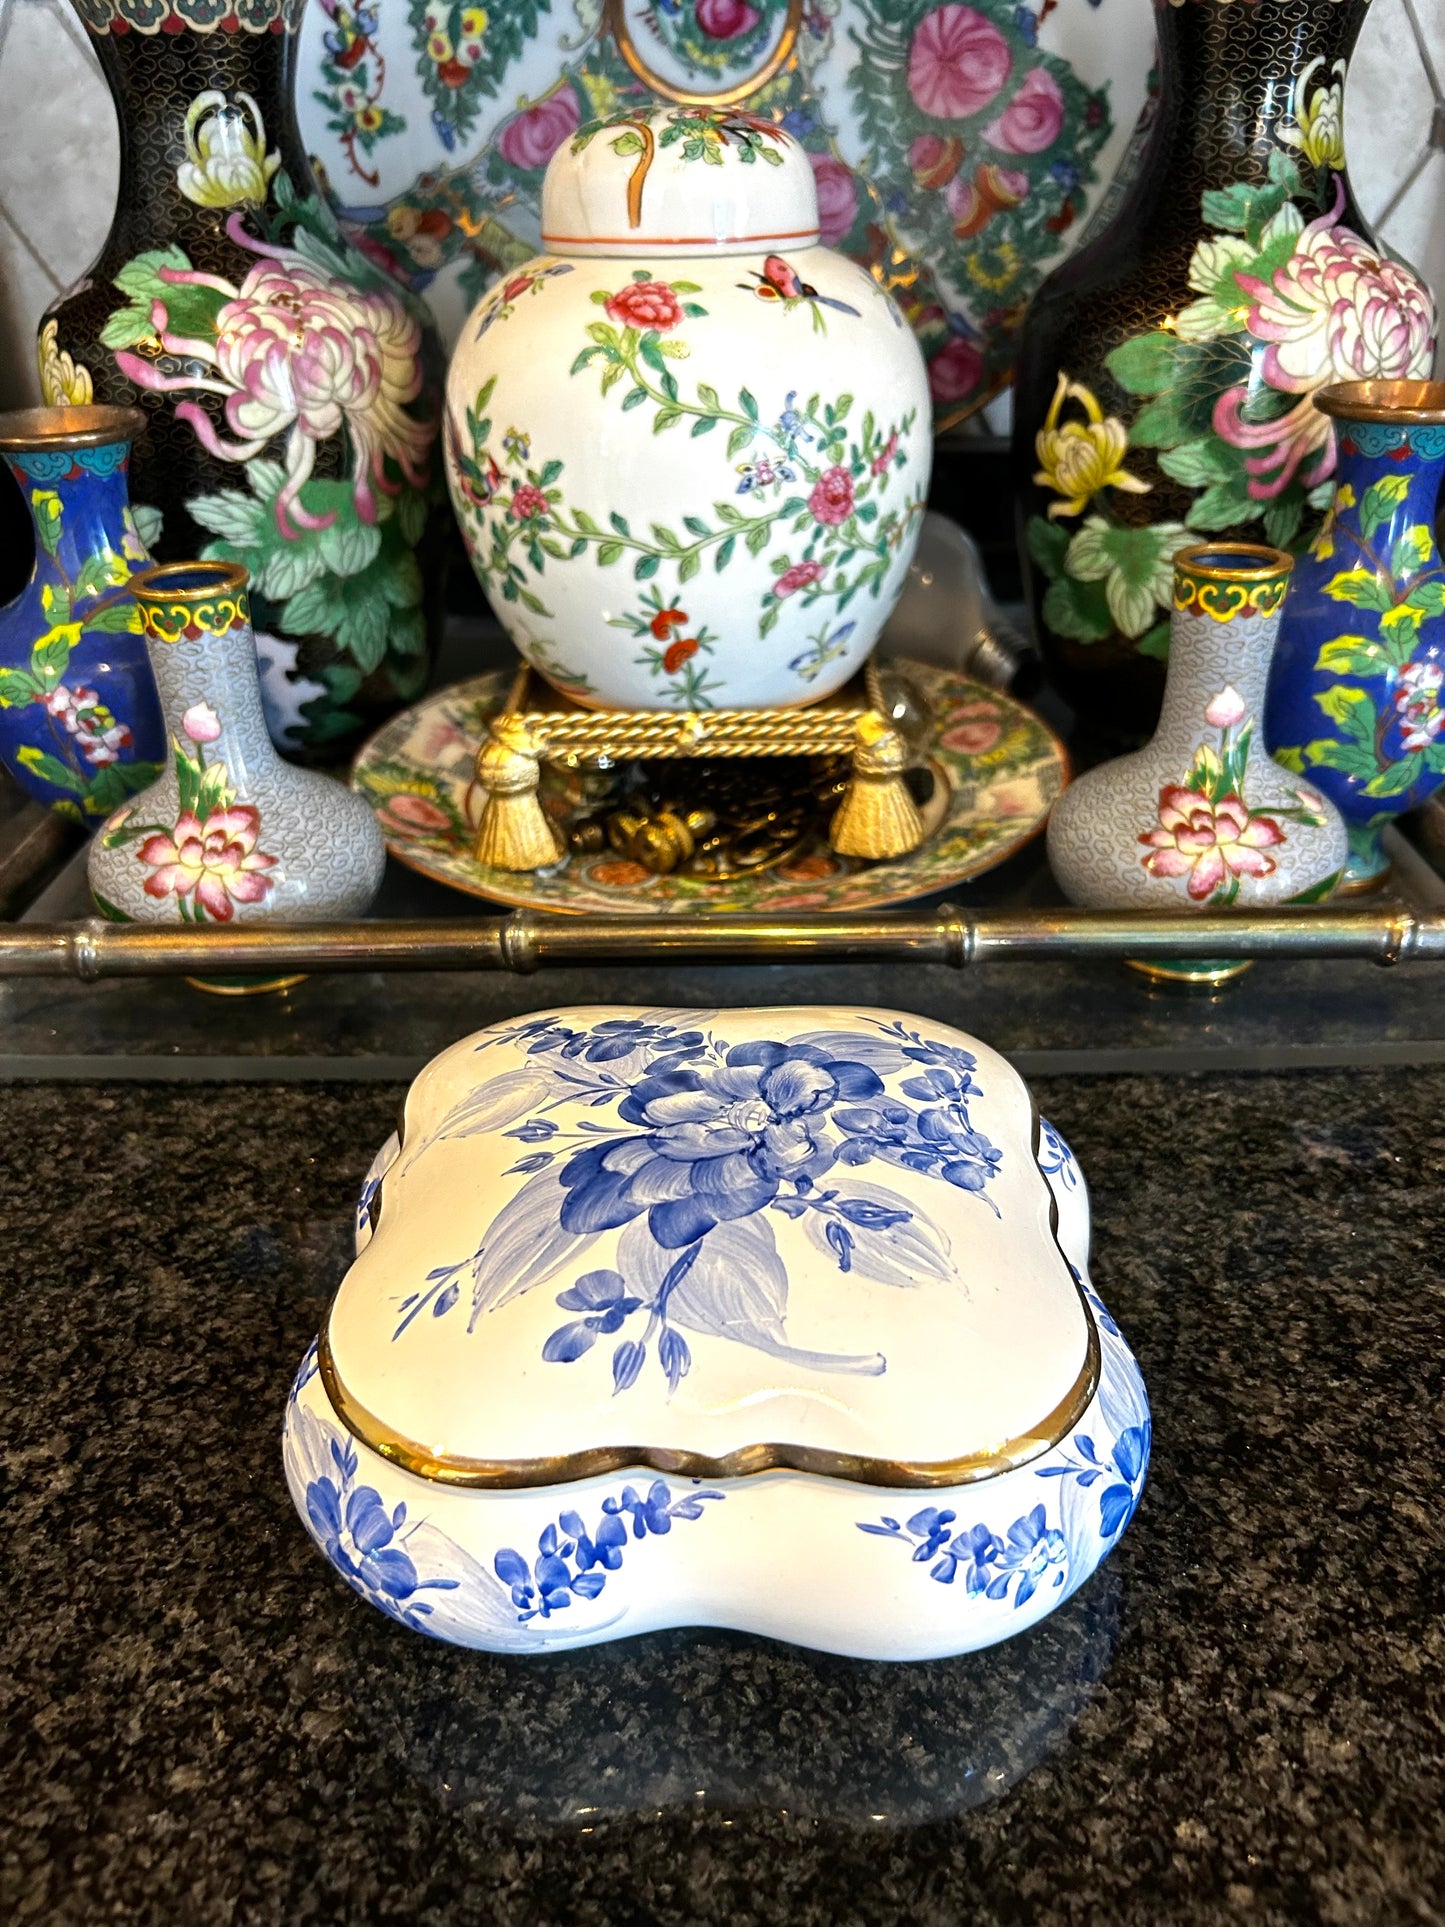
1192	973
1355	883
245	986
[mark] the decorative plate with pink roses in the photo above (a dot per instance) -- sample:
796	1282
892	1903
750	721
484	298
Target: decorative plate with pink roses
1004	769
960	151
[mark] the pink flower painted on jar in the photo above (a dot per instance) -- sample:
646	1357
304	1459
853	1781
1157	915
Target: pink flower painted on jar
531	138
837	198
528	504
1032	119
798	577
300	353
957	63
831	501
1208	842
216	861
645	304
956	371
726	19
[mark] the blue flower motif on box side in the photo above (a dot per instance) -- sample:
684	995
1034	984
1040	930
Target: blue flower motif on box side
703	1141
1056	1160
572	1564
1013	1567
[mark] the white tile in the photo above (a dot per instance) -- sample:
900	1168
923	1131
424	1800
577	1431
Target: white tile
26	290
61	155
1389	104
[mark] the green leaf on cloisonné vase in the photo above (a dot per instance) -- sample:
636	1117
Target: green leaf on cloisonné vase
1380	500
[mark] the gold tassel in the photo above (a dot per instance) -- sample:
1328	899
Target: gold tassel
513	833
877	817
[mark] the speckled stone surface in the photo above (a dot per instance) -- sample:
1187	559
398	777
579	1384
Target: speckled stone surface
1241	1718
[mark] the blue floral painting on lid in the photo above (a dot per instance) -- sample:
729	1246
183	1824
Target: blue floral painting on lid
702	1145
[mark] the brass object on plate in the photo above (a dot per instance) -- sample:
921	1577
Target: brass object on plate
876	818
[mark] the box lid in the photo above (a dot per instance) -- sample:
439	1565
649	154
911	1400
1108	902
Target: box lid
715	1243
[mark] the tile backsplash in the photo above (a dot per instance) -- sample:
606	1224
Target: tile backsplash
60	151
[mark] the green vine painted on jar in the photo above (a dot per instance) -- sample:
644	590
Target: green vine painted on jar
813	485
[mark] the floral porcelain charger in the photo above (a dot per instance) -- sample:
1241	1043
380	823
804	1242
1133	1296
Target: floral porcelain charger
960	151
688	446
1003	769
769	1319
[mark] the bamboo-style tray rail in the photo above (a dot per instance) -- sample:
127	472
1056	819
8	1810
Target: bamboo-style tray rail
525	941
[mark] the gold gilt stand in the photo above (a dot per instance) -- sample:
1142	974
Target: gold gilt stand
877	816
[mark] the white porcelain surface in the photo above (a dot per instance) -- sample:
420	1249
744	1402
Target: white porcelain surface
689	478
463	1327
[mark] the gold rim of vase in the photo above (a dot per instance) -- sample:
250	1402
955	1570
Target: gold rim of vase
1409	404
1207	561
188	581
27	430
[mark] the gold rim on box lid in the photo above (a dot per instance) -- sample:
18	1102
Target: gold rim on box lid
1408	404
76	426
747	1461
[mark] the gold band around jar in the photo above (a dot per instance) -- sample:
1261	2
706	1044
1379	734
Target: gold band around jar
1224	580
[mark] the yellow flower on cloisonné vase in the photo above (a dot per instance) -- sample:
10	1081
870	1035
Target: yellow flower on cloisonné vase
64	382
226	162
1079	459
1319	129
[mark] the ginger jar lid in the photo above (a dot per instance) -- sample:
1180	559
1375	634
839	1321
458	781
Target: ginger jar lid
715	1243
664	179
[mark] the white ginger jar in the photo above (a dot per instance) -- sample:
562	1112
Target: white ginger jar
688	447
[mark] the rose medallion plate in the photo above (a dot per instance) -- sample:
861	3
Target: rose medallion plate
961	151
1004	769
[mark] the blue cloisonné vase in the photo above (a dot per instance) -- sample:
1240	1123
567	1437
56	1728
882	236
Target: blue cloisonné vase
1354	699
80	722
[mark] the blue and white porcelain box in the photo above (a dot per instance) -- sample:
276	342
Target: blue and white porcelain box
769	1319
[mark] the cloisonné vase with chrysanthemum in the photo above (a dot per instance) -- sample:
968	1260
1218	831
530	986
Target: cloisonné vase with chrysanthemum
1355	690
289	389
1166	385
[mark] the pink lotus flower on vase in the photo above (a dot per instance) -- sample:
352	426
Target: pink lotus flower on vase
956	371
726	19
1032	119
298	352
1226	710
531	138
831	501
201	723
837	198
957	62
215	861
1208	842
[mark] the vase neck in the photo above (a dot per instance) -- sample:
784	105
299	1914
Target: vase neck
1411	470
1208	657
1235	81
80	512
219	660
158	82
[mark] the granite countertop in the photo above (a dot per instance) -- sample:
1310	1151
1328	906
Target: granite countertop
1240	1718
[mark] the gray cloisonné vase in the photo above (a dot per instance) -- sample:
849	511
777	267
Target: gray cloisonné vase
230	831
1202	818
